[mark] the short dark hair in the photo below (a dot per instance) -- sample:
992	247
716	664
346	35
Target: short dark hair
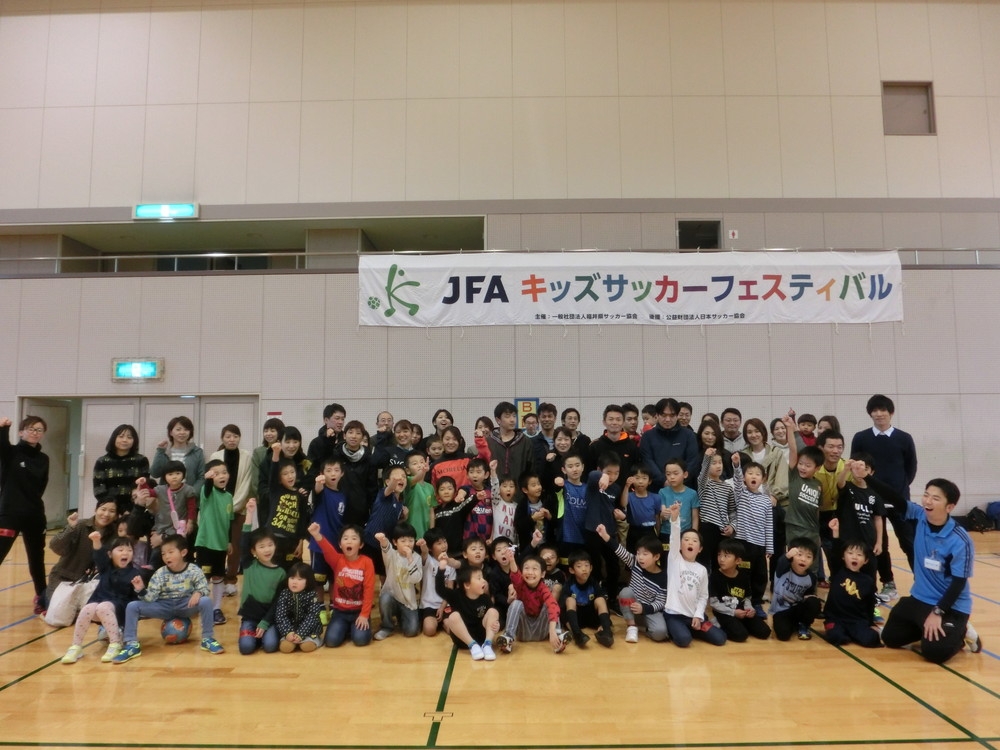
334	461
613	409
352	527
675	461
463	576
649	409
110	447
732	410
747	465
183	422
492	546
119	541
273	423
431	536
807	417
684	405
813	453
292	433
446	480
401	530
826	437
354	424
300	569
651	543
667	403
572	454
579	555
880	401
174	467
866	458
178	540
466	543
533	558
504	407
214	463
547	408
330	409
642	469
858	545
258	535
526	477
805	543
608	459
732	546
569	410
628	407
949	488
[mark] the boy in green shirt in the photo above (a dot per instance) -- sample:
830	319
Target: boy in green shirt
215	514
419	494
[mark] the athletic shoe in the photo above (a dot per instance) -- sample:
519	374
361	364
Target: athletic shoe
218	618
130	650
211	645
760	612
504	643
805	634
73	655
308	646
476	651
112	652
605	637
824	584
324	617
877	617
229	589
972	640
582	639
382	633
631	634
286	647
888	593
488	653
564	638
39	604
102	633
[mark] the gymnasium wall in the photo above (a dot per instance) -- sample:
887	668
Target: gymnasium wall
294	340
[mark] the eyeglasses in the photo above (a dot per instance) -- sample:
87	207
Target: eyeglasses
36	430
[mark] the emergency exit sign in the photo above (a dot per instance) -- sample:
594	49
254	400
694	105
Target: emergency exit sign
133	370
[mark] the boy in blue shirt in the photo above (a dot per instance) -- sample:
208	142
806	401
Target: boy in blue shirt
675	491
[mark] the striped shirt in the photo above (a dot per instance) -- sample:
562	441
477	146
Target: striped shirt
167	584
753	514
718	500
650	589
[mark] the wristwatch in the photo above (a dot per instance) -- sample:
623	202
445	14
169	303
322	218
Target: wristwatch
937	611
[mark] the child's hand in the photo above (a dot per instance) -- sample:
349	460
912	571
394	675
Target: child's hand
163	444
137	583
629	482
619	514
276	448
251	507
834	525
362	623
675	512
72	519
603	482
422	545
696	623
293	638
193	601
94	536
155	539
320	482
636	608
550	456
537	538
792	551
443	560
314	531
480	432
736	458
559	482
664	512
380	538
493	466
602	532
554	641
511	594
710	451
210	474
5	422
481	495
259	632
729	530
404	514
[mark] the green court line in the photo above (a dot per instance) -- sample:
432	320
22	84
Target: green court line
442	697
962	676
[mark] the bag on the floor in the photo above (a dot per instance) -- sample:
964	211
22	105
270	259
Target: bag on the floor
993	511
977	520
67	601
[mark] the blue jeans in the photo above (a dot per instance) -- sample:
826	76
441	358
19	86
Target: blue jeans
164	609
392	610
250	643
342	623
681	632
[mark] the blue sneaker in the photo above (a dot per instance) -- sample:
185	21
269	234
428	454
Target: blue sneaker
211	645
760	612
130	650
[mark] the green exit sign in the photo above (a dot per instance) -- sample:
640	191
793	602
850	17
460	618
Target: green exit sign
131	370
165	211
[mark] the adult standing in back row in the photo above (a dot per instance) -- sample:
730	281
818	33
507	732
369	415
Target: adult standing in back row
666	440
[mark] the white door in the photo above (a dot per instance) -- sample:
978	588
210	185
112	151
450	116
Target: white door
156	414
100	417
218	411
55	445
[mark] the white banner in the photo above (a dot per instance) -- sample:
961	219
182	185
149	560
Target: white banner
645	288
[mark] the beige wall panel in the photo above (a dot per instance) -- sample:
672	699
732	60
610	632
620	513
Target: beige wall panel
611	231
172	328
433	44
643	48
419	363
800	360
794	230
67	140
292	344
937	428
912	229
675	359
696	59
701	165
859	147
978	417
276	54
928	315
973	230
955	48
608	364
122	58
168	154
546	358
977	340
750	228
432	149
221	155
486	149
817	405
593	152
853	230
483	366
852	46
465	410
355	359
10	311
538	32
964	147
807	166
224	71
904	41
110	323
325	156
728	345
993	107
550	232
232	363
503	232
989	24
306	415
24	44
800	48
49	340
380	51
485	49
591	49
748	48
379	150
116	176
273	153
753	146
540	148
647	147
173	78
912	167
71	69
328	52
872	344
659	231
20	153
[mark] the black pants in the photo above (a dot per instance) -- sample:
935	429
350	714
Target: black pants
852	631
32	531
778	519
739	630
804	613
710	537
906	625
600	550
904	533
756	555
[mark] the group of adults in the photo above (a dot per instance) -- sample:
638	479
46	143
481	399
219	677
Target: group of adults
666	434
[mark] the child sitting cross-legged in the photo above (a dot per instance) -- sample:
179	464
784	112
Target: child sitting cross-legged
469	616
584	602
794	604
296	611
398	599
850	605
729	595
534	614
643	599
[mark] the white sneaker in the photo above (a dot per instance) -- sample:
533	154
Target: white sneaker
476	651
631	634
488	653
73	655
112	652
972	640
229	589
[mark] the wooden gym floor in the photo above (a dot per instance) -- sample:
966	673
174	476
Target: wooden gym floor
420	693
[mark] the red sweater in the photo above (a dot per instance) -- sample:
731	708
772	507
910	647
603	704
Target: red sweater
353	585
534	599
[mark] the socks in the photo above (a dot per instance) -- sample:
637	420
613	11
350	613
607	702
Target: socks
217	587
573	619
605	620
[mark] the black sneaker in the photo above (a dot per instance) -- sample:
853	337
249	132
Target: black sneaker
581	639
605	637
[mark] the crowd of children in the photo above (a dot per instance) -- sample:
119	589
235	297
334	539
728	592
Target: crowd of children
539	537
